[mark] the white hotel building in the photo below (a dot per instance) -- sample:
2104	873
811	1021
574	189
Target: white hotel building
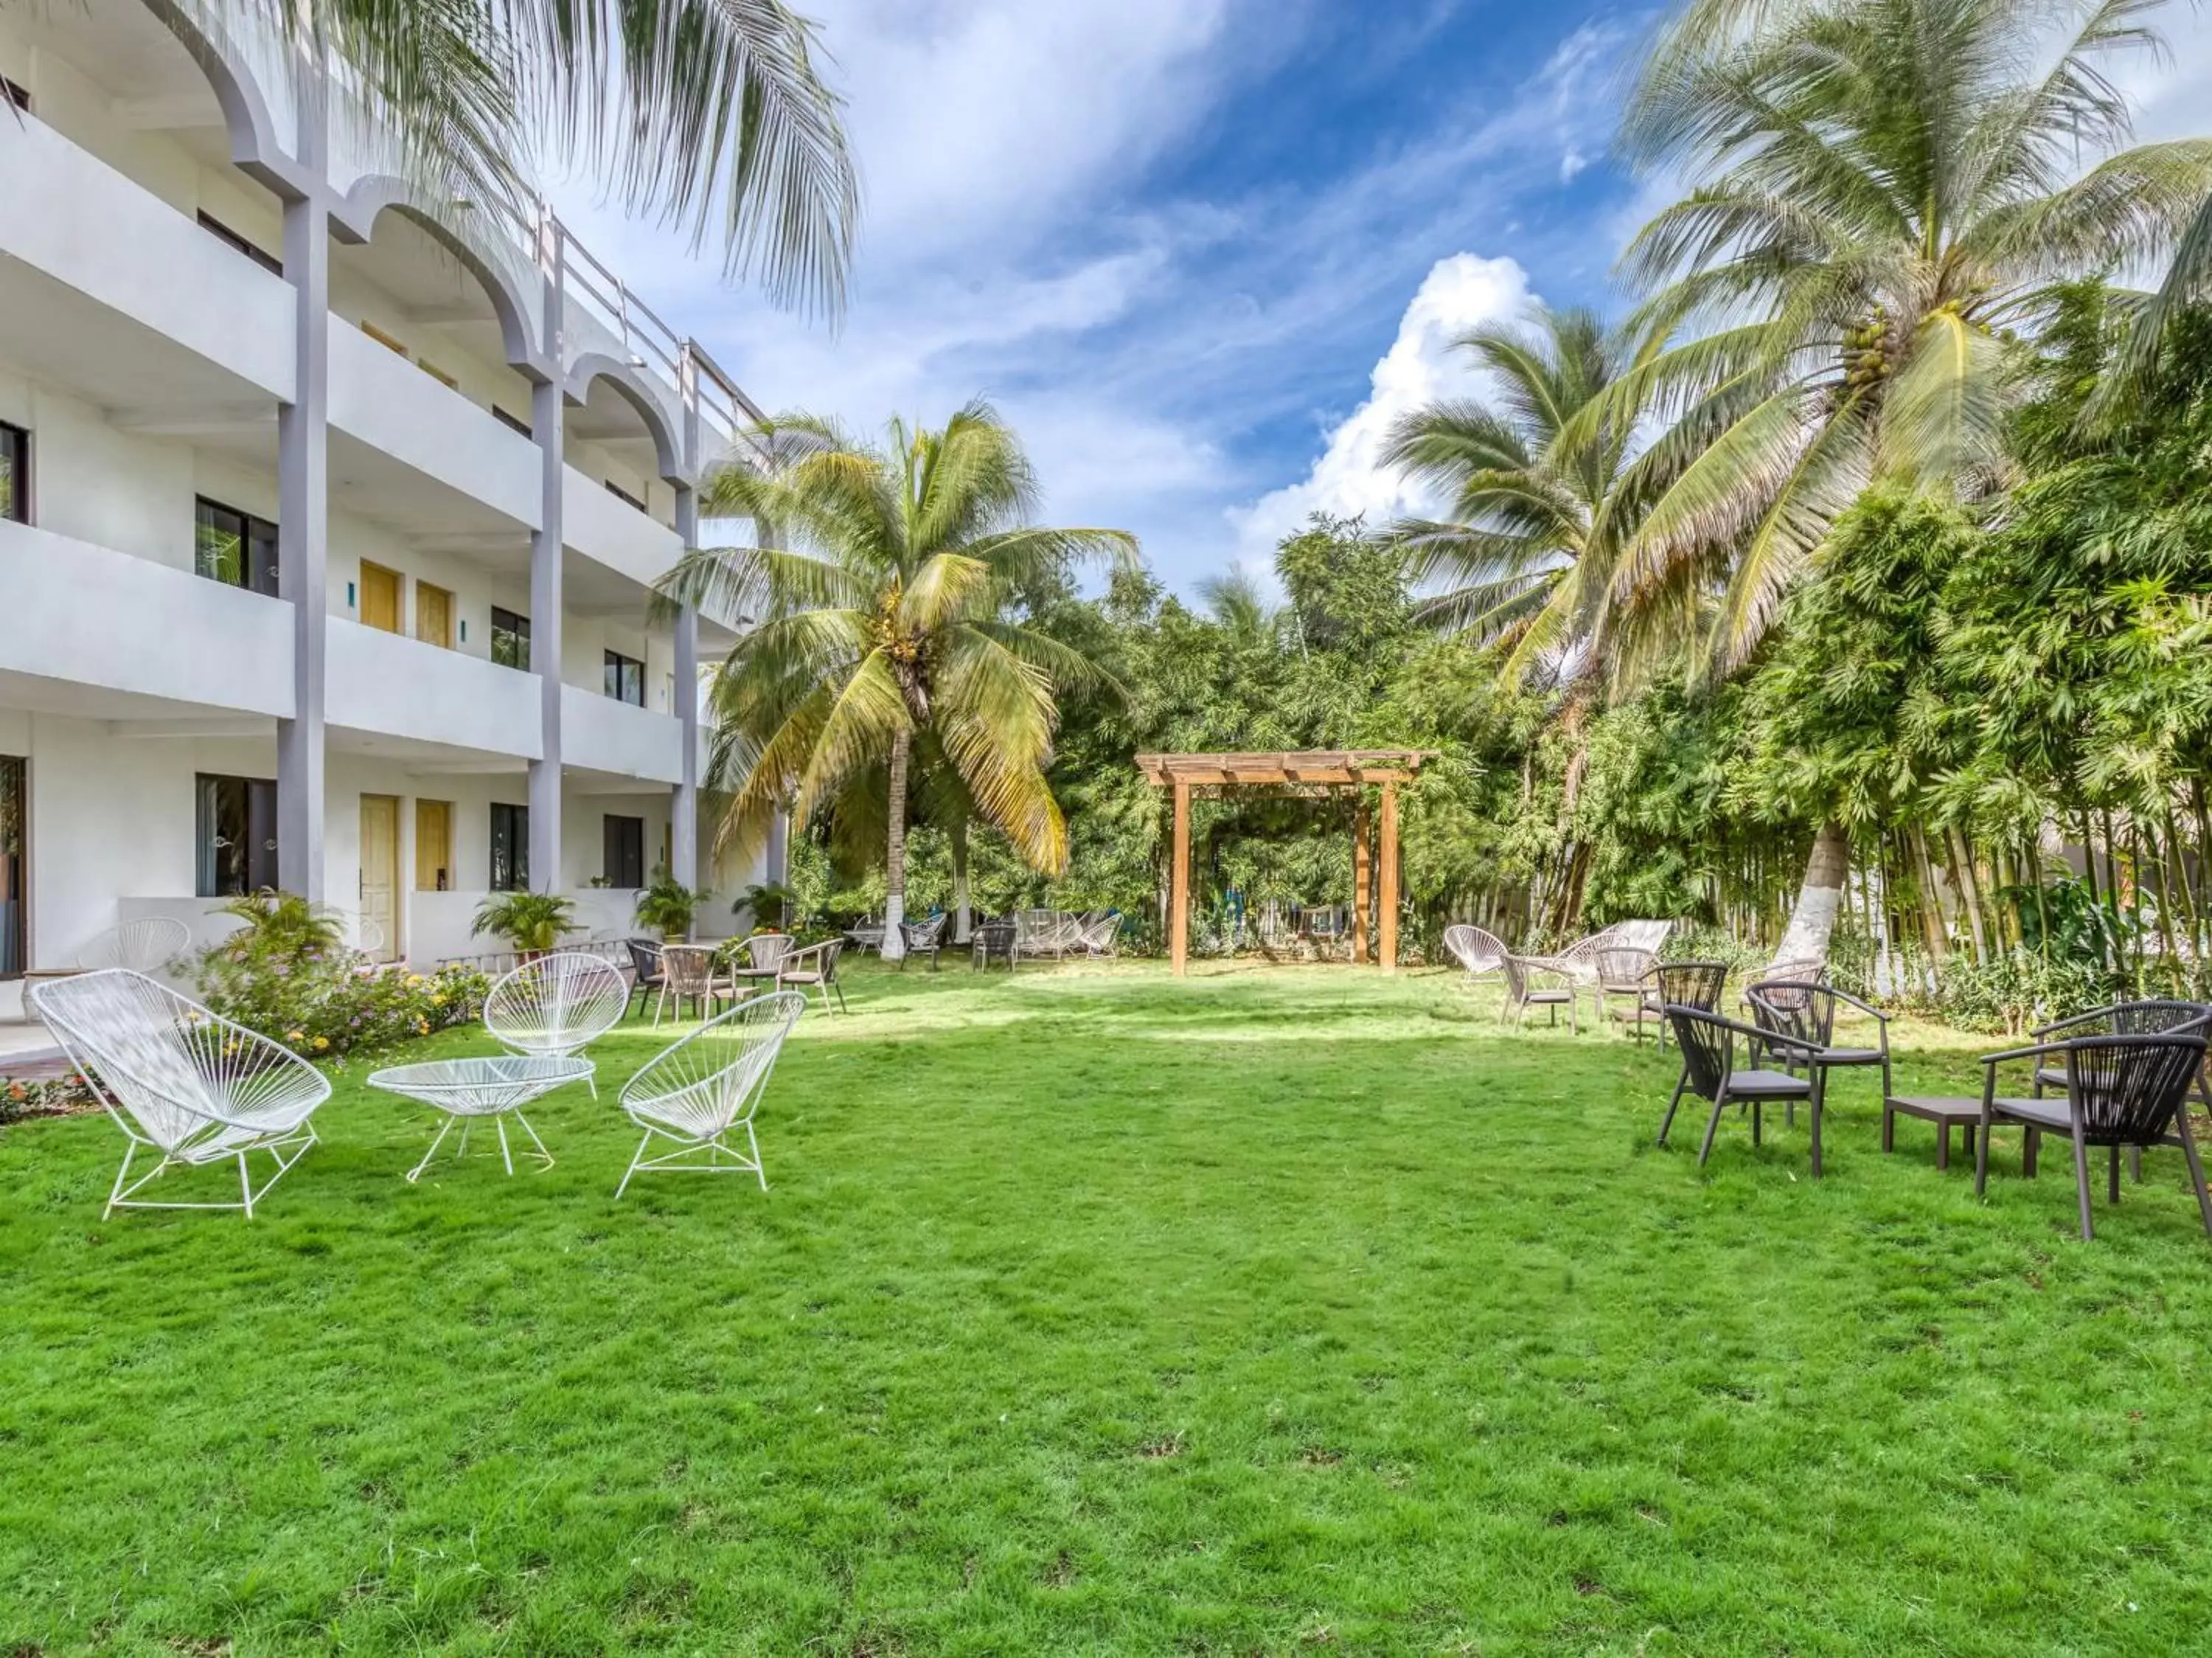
326	532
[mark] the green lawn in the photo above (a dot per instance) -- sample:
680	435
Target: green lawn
1089	1312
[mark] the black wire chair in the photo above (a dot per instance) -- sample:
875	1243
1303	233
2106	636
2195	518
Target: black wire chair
1805	1012
1686	983
2130	1090
2154	1017
1709	1070
645	966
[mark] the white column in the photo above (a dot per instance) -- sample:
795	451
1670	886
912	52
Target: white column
683	822
303	512
547	417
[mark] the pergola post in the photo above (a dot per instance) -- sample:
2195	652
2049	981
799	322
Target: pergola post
1362	879
1179	885
1387	922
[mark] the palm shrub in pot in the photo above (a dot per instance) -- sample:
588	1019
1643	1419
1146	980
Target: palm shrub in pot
771	905
533	923
669	907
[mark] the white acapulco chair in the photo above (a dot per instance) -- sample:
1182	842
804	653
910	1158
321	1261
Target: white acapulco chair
557	1005
1475	950
143	945
698	1093
181	1082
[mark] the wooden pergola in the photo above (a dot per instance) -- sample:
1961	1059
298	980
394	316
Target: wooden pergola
1319	771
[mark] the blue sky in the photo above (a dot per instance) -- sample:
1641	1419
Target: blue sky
1201	252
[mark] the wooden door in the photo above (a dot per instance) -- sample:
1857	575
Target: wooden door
380	597
434	616
434	846
380	876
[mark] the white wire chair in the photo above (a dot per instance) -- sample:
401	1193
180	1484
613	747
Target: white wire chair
144	944
703	1089
181	1082
1044	932
557	1005
1096	931
1477	951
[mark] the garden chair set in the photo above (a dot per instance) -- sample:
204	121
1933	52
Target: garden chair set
1615	963
193	1089
2124	1076
1038	935
704	974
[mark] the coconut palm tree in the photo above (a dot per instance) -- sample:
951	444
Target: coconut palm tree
1881	191
885	623
711	113
1539	514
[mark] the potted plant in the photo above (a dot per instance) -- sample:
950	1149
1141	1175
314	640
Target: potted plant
668	906
534	923
771	904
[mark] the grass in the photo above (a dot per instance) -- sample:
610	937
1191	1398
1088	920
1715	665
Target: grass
1089	1312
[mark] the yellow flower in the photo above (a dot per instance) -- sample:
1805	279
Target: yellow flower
413	979
295	1036
424	1026
322	1041
437	998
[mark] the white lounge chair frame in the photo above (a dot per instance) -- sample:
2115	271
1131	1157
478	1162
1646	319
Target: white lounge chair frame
1044	932
1096	932
557	1005
1475	950
699	1091
144	944
180	1082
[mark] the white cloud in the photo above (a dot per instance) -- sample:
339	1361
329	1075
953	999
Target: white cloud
1459	293
990	114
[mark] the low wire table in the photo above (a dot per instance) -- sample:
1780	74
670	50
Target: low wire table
497	1087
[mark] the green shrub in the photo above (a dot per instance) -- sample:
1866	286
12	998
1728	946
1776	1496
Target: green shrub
325	1002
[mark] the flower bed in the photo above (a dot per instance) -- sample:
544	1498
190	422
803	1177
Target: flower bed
328	1002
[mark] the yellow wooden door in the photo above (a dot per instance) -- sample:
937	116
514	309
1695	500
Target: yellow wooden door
380	597
434	846
434	616
380	876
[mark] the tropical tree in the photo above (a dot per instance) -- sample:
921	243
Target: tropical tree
883	624
1541	505
711	113
1882	190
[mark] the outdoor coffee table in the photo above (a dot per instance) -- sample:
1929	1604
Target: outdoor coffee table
1942	1110
497	1087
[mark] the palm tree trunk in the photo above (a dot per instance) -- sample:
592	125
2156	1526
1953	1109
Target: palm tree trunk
895	853
960	917
1813	919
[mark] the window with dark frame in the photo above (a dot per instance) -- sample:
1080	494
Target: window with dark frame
236	835
510	639
624	866
625	678
222	233
15	94
513	422
15	473
620	493
15	890
234	547
510	848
